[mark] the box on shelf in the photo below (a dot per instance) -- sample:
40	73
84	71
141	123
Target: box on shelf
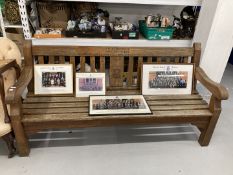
85	34
91	24
123	30
48	33
155	33
125	34
53	14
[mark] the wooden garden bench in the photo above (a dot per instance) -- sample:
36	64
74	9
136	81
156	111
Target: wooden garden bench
37	113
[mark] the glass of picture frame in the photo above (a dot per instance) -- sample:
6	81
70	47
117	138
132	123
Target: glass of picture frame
118	105
90	84
53	79
167	79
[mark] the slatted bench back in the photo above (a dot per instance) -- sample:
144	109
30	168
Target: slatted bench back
123	63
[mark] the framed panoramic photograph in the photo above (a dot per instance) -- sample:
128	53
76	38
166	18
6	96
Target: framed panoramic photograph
167	79
53	79
90	84
107	105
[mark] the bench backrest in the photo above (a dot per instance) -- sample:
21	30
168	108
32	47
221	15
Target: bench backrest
123	63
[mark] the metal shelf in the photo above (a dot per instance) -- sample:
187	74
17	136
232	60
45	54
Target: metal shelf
151	2
8	25
110	42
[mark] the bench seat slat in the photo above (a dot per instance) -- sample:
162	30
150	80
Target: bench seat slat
43	99
85	109
85	104
202	114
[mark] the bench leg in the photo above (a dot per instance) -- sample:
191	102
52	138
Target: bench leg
9	139
21	139
206	134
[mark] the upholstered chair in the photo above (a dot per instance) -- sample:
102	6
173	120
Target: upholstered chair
8	50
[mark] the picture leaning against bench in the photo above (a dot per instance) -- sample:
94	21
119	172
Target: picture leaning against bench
123	77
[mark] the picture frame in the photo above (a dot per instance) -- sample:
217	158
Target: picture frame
167	79
118	105
53	79
90	84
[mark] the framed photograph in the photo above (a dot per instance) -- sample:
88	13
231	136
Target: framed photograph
53	79
167	79
90	84
108	105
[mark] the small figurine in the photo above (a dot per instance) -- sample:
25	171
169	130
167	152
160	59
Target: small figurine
71	25
165	22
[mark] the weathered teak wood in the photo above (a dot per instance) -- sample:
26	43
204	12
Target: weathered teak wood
65	111
130	71
116	71
102	64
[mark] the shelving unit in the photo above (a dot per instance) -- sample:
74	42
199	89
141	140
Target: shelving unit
6	24
151	2
111	42
108	41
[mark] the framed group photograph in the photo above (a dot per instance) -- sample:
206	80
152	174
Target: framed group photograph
53	79
108	105
90	84
167	79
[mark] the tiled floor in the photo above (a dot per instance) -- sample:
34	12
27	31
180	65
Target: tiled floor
161	150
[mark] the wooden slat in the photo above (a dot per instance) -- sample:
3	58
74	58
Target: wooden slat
182	116
177	60
186	59
140	61
35	99
116	71
54	99
72	61
55	111
51	60
159	59
78	109
173	97
178	107
62	60
55	105
41	59
176	102
92	62
112	51
82	64
149	59
102	64
130	71
73	99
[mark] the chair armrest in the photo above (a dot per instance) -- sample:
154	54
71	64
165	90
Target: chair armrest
14	93
219	91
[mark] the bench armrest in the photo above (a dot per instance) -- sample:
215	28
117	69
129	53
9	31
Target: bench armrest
15	92
217	90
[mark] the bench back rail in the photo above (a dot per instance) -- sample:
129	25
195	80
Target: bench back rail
123	64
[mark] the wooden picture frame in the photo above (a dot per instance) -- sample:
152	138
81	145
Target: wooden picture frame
90	84
167	79
53	79
118	105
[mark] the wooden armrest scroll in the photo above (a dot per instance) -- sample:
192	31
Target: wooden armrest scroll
14	92
219	91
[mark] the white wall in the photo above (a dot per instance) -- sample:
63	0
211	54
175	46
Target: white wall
215	31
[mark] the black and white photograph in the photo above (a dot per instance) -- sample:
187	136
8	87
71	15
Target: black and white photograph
167	79
53	79
104	105
90	84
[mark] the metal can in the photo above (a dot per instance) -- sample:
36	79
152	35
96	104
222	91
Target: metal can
103	29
